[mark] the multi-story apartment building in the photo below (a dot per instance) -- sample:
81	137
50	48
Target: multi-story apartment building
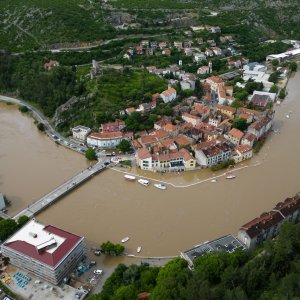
48	252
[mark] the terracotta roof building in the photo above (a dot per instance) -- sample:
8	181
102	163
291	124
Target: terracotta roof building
48	252
267	225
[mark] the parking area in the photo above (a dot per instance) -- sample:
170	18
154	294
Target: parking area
29	286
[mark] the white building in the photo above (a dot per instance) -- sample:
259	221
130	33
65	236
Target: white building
284	56
48	252
241	153
212	154
191	119
168	95
107	139
80	132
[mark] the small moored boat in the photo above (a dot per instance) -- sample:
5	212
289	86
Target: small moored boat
125	239
160	186
143	182
139	249
230	177
213	180
129	177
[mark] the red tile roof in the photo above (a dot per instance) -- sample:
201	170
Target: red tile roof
169	91
236	133
50	259
106	135
143	153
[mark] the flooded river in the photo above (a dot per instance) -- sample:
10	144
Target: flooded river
162	222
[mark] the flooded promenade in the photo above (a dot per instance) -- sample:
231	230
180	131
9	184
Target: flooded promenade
162	222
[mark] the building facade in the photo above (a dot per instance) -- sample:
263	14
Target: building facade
48	252
80	132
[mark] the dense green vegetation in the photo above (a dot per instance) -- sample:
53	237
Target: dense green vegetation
34	23
90	154
9	226
112	249
270	272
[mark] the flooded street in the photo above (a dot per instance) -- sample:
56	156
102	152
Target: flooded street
163	222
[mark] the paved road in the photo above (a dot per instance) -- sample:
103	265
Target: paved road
50	131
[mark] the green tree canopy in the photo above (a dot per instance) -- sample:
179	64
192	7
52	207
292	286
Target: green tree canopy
240	123
90	154
7	228
124	146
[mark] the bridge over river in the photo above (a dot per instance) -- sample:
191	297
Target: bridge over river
36	207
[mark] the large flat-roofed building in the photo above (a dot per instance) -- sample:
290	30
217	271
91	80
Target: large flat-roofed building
46	251
80	132
226	243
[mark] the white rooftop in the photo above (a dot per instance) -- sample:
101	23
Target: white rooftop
34	234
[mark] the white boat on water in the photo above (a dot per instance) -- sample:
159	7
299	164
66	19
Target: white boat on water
125	239
129	177
160	186
230	176
213	180
287	116
139	249
143	182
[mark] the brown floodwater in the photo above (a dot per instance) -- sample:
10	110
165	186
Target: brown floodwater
163	222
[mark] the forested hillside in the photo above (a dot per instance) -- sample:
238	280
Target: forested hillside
271	272
34	24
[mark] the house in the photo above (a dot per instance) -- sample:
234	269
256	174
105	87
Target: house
260	229
162	45
198	57
178	45
254	66
129	110
214	82
168	95
209	52
260	100
144	43
212	43
227	110
203	70
213	29
182	141
166	52
51	64
224	126
139	50
248	118
202	110
235	136
260	127
127	56
248	139
80	132
171	129
108	139
48	252
212	153
241	153
217	51
191	119
144	159
200	41
267	226
188	160
225	94
187	84
215	120
188	51
187	44
118	125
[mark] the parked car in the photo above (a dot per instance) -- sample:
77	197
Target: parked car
98	272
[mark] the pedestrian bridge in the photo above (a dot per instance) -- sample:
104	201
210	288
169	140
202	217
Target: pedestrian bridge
36	207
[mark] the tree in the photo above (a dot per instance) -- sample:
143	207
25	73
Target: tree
240	123
282	94
275	62
23	109
274	89
112	249
7	228
41	127
127	292
124	146
23	220
293	66
90	154
274	77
